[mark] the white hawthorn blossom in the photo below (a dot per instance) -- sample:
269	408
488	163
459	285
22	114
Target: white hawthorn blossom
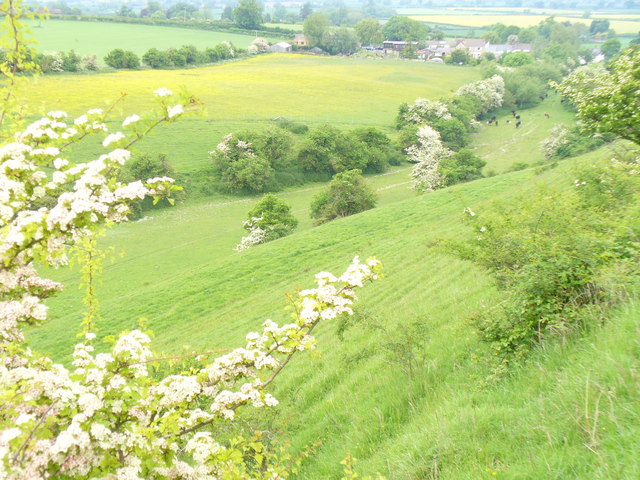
558	137
256	235
107	417
426	111
426	155
490	92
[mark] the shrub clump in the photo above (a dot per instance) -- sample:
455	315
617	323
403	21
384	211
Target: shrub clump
347	194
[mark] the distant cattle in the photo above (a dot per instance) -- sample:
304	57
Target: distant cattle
517	117
518	124
546	115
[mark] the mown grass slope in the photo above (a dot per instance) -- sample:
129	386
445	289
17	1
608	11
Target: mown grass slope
571	413
249	93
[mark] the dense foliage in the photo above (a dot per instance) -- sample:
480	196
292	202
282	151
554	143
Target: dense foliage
122	59
346	195
560	257
275	216
608	100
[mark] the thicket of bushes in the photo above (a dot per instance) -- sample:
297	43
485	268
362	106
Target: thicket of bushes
561	258
250	161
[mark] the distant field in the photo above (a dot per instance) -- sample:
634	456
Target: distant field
287	26
101	37
480	20
247	93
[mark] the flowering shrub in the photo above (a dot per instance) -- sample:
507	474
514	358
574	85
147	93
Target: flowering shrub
607	100
490	92
256	234
426	111
107	417
259	45
556	139
275	217
427	155
240	168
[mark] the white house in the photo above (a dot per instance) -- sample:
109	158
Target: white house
281	47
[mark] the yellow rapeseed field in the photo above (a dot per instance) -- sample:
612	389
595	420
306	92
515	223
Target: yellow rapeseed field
295	86
476	20
249	93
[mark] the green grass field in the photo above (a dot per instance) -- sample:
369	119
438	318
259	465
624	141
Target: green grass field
249	93
180	273
571	413
100	38
503	145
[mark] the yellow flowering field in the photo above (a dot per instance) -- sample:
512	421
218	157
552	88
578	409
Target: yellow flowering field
296	86
476	20
249	93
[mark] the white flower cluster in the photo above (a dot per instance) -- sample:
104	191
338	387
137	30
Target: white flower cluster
109	413
259	45
426	111
32	167
256	235
427	155
557	138
490	92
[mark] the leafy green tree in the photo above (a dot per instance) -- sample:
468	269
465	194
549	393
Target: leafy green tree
227	13
610	48
154	58
176	57
608	100
248	14
315	27
462	166
599	26
453	132
328	150
71	61
122	59
240	167
346	195
340	40
459	57
275	216
190	53
279	12
305	11
126	11
151	8
369	31
182	11
404	28
516	59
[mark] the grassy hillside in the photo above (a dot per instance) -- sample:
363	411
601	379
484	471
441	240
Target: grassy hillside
503	145
563	416
247	94
100	38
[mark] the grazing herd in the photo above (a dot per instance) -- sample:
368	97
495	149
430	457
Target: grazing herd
494	119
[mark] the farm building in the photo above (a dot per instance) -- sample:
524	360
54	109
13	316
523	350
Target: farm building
281	47
499	49
475	46
391	46
300	40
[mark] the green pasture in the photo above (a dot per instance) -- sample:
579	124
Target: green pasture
249	93
503	145
180	273
100	38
